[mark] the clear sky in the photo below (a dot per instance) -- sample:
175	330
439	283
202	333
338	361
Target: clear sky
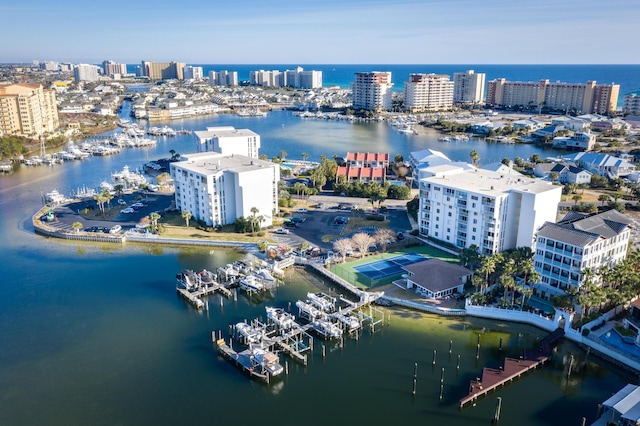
322	31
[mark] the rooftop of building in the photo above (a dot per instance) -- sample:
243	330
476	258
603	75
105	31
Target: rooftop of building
209	163
437	275
483	181
581	229
223	132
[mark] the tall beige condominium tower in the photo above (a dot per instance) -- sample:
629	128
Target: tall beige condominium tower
372	91
27	109
163	70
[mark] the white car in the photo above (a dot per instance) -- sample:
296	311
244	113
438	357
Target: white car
301	210
128	210
281	231
115	229
122	202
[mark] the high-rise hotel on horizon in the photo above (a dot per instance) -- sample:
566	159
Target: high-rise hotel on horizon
372	91
163	70
27	109
468	87
583	98
425	92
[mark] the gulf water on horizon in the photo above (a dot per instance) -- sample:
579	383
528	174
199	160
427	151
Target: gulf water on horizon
342	75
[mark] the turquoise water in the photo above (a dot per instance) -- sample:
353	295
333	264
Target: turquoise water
98	335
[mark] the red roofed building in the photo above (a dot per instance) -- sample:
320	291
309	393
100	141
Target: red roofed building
364	166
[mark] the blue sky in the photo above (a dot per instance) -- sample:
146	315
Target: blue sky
323	32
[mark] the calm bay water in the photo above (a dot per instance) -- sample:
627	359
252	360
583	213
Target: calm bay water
97	334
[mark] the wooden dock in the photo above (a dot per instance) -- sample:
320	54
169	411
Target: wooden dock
194	297
512	369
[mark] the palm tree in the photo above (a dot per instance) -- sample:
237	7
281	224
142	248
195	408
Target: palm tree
186	215
475	157
603	198
154	220
254	212
576	198
118	189
283	154
100	198
488	266
304	156
77	226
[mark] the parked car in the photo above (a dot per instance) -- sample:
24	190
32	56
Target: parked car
297	219
115	229
290	225
302	210
281	231
341	220
128	210
122	202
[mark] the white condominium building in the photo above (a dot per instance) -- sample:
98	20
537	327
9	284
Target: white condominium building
228	140
85	72
112	68
218	189
192	72
565	250
223	78
468	87
264	78
301	79
372	91
428	92
495	211
585	98
27	109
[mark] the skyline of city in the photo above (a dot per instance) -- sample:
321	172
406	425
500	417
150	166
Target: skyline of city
349	32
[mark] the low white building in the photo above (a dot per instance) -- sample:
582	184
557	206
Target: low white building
228	140
564	250
580	140
495	211
604	165
218	189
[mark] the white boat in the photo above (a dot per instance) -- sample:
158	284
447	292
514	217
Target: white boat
307	310
187	279
265	276
248	333
282	319
54	197
267	360
327	328
350	322
228	272
322	301
250	283
253	112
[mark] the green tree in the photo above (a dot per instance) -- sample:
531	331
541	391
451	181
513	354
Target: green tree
252	220
154	217
603	198
186	215
475	157
283	154
304	156
77	226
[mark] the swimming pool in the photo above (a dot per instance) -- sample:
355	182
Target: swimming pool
615	340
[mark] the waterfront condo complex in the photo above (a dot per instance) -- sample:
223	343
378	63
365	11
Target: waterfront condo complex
492	210
218	189
372	91
428	92
228	140
584	98
27	109
468	87
162	70
566	249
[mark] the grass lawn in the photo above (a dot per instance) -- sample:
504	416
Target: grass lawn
346	270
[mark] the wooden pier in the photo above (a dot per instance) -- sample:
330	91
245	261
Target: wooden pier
512	369
194	297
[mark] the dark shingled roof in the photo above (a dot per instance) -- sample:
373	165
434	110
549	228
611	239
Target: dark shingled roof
581	229
437	275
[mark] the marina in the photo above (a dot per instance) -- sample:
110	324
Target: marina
283	334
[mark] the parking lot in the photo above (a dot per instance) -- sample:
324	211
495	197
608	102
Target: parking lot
313	225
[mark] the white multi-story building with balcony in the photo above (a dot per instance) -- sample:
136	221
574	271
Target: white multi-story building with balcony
425	92
228	140
495	211
191	72
372	91
218	189
223	78
565	250
468	87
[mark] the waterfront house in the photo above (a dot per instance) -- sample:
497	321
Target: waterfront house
580	140
564	250
567	173
436	279
604	165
